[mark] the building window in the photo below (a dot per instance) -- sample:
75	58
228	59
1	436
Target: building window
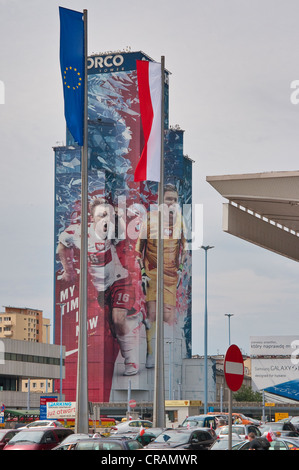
29	358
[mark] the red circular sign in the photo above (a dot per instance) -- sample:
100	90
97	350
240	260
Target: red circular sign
233	368
132	403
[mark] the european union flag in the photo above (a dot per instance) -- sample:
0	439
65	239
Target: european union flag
72	70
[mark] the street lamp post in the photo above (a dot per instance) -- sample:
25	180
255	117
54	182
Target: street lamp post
60	374
229	315
206	248
47	341
170	370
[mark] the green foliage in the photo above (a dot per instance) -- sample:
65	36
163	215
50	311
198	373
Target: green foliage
247	394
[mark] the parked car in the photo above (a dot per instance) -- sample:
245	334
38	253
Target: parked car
187	438
244	419
222	444
38	439
221	418
200	421
70	441
242	430
294	420
132	425
6	435
144	438
285	443
107	443
238	418
45	423
280	428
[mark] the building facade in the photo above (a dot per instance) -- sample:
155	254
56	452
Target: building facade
24	324
121	296
23	360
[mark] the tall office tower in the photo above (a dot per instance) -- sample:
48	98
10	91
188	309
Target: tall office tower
122	241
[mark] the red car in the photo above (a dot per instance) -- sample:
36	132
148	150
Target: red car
6	435
38	439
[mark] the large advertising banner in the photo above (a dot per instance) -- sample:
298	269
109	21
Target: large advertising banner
122	243
275	366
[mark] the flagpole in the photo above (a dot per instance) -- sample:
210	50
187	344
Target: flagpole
82	384
159	389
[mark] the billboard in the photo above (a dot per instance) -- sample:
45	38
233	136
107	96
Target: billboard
61	410
121	242
275	366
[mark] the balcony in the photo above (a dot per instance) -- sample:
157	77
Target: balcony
7	333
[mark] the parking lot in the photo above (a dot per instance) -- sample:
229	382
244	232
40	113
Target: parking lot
195	433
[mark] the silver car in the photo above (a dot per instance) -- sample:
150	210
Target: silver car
242	430
132	425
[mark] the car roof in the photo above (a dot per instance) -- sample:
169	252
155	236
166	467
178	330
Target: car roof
185	430
106	439
274	424
5	430
236	425
201	416
44	428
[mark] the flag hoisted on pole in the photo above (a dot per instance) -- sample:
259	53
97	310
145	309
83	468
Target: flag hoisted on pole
150	96
72	70
150	77
73	61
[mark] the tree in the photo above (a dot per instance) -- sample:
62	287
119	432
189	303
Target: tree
247	394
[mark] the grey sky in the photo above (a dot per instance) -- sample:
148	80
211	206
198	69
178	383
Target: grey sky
232	64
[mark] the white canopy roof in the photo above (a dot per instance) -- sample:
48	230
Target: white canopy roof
263	209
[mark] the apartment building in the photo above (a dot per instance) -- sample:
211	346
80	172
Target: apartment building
25	324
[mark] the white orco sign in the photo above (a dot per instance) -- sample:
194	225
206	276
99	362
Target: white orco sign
61	410
105	61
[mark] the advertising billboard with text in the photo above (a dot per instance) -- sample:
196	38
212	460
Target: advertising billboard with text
122	243
275	366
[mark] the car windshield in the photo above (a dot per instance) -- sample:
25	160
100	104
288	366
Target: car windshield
235	429
98	445
173	437
32	436
222	444
272	427
38	423
75	437
194	422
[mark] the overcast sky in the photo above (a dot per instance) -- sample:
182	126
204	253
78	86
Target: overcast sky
232	63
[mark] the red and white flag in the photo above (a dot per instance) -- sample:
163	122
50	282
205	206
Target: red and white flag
141	431
149	79
271	436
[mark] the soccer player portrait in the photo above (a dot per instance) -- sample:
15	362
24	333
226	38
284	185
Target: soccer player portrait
111	280
174	256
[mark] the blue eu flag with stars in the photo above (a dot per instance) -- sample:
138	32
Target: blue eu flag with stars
72	70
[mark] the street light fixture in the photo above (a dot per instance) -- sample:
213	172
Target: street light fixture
206	248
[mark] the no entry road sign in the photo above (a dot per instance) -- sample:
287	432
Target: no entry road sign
233	368
132	403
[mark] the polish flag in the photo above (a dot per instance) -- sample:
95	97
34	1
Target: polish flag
141	431
149	79
270	436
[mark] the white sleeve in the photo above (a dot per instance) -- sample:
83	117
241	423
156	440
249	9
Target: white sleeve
67	238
